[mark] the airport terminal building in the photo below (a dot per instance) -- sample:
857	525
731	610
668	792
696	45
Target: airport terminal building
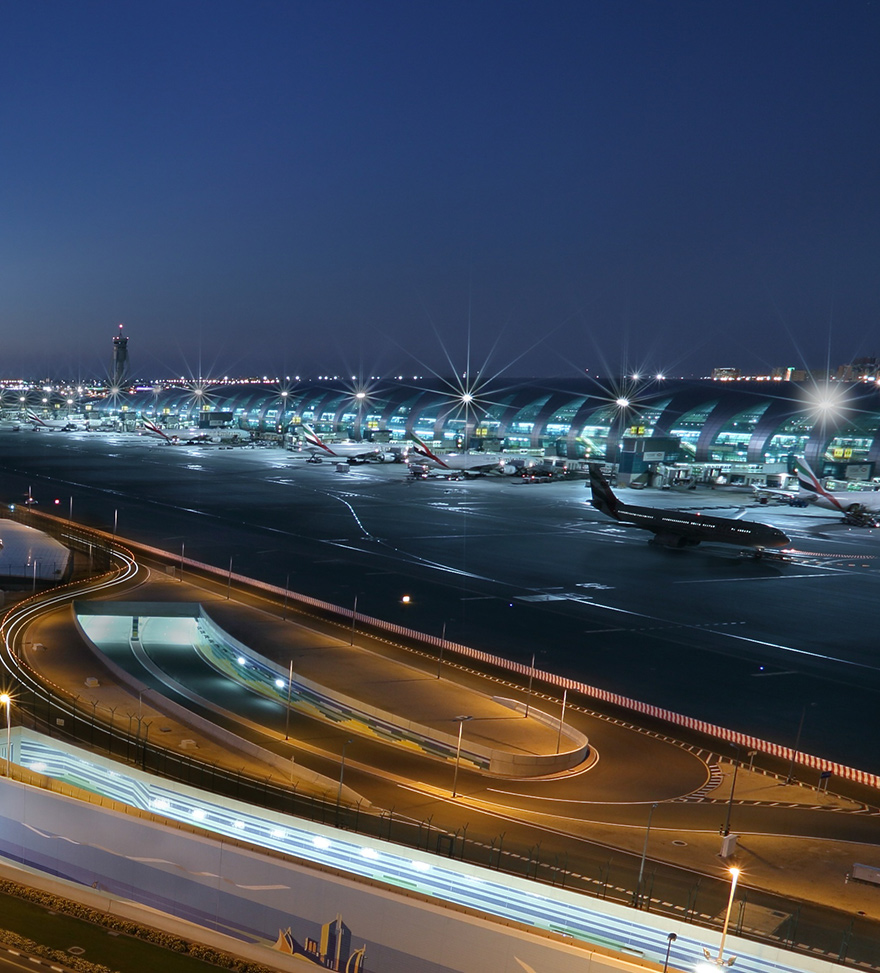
718	426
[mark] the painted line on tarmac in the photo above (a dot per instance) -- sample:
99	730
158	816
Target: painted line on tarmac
780	577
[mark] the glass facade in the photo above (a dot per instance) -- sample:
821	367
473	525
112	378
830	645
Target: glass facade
706	422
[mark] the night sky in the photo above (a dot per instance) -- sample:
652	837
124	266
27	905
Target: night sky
353	187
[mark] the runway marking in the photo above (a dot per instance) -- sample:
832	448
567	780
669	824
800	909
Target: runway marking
780	577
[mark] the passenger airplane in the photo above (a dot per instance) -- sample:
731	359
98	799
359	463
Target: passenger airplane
65	425
468	463
153	428
860	508
676	528
351	451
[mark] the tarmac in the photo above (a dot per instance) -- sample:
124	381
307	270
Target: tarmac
808	869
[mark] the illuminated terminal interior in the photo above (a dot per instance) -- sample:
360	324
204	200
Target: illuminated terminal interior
729	426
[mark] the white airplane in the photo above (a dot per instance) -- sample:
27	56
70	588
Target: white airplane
793	496
151	427
65	425
860	508
474	464
348	450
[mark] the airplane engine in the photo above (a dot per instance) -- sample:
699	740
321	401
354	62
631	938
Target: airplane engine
387	457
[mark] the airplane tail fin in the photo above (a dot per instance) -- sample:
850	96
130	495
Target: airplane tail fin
313	439
807	479
604	499
425	450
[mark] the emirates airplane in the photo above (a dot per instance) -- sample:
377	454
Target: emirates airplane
348	450
474	464
859	507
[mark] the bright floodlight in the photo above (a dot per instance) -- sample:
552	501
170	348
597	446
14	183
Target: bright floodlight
241	660
622	402
635	376
279	683
360	395
5	699
467	398
659	376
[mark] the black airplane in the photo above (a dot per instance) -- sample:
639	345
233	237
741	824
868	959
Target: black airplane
677	529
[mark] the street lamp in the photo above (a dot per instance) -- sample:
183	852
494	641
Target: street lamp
461	720
341	772
442	647
287	715
638	896
726	831
531	674
6	700
354	613
670	939
797	743
561	719
734	875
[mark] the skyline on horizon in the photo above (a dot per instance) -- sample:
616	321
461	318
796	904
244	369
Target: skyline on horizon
295	188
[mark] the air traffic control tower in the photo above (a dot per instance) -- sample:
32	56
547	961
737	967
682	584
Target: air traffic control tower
120	360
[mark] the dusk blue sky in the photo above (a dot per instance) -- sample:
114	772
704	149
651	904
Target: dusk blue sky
315	186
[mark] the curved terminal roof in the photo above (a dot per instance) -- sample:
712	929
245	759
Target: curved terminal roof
743	422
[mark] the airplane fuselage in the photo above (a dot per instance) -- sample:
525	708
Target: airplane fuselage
675	528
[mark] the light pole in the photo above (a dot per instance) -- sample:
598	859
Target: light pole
461	720
6	700
561	719
670	939
797	743
726	830
442	647
354	612
531	674
638	901
229	578
287	716
341	772
734	875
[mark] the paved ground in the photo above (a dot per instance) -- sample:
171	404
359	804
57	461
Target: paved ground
810	868
515	570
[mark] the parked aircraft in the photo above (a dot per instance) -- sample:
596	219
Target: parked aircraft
153	428
861	508
677	528
348	450
473	464
792	497
65	425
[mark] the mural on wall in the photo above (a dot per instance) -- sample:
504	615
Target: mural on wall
333	951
